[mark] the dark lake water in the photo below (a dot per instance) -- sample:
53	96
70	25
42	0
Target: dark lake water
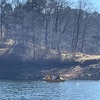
38	90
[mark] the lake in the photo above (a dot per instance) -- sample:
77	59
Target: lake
38	90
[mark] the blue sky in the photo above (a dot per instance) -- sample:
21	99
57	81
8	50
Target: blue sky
96	4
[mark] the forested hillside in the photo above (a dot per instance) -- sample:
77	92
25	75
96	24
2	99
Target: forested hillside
49	25
43	31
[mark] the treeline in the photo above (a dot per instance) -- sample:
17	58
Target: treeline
47	24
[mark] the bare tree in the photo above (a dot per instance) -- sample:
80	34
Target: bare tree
85	27
1	17
80	25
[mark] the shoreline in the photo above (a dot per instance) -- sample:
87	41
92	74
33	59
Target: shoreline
83	67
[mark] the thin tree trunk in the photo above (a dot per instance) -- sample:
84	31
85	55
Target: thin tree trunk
1	22
83	38
84	32
46	33
77	28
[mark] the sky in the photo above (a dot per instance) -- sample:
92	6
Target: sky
96	4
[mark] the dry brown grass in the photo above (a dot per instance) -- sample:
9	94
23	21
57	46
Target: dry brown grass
83	57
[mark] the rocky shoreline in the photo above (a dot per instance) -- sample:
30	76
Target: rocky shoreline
82	67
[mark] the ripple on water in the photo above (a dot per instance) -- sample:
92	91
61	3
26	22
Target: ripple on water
30	90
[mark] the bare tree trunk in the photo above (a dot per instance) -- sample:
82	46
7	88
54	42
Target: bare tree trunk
58	39
46	33
58	46
87	21
1	21
73	35
83	38
77	28
53	33
34	45
22	33
34	50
